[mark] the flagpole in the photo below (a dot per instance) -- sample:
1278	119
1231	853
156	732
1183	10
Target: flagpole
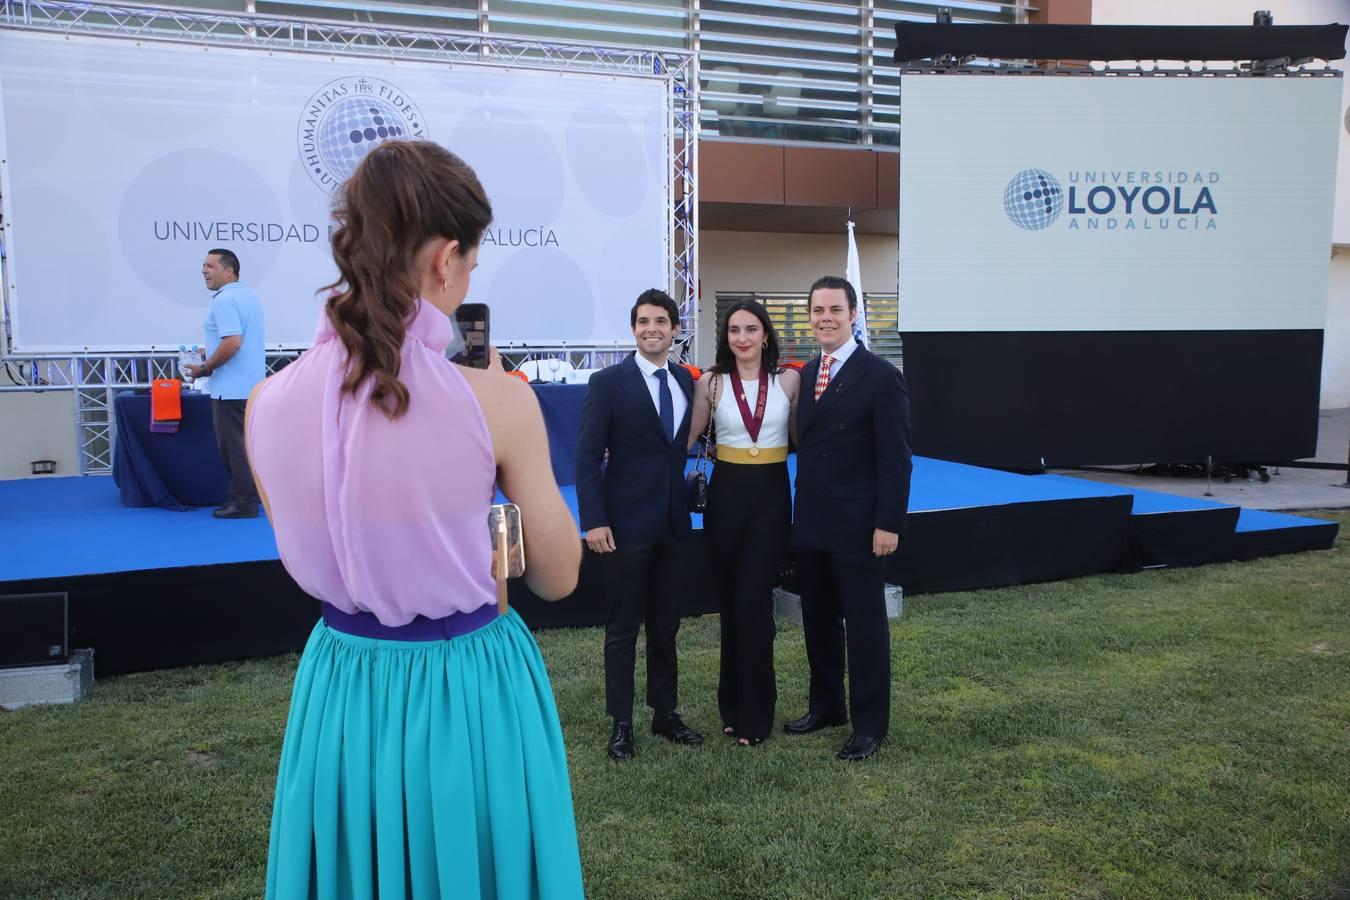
853	274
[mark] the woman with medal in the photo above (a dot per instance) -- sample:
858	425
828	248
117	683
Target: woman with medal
751	401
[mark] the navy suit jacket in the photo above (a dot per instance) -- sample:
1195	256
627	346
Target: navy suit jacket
853	455
640	492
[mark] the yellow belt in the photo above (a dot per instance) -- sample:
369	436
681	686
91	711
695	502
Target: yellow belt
744	456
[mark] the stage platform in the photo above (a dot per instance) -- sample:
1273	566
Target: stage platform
151	588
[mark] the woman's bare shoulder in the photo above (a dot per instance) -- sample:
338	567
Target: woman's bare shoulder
254	394
505	399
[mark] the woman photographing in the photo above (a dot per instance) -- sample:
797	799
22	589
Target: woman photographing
423	755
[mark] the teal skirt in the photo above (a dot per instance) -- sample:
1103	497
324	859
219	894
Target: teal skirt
423	769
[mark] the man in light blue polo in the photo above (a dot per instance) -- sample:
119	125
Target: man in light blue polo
235	362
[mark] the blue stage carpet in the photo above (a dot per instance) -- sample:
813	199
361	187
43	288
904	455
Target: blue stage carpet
62	527
1250	520
65	527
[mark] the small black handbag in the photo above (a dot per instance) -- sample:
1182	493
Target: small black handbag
697	478
697	483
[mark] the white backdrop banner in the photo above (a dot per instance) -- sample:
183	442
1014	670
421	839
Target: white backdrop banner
1116	204
125	164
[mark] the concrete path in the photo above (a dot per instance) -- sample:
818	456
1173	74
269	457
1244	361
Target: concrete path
1288	488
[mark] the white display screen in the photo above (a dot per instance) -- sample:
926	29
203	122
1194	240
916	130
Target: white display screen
1089	203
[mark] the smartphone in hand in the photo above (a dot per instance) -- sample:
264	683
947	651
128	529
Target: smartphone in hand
472	319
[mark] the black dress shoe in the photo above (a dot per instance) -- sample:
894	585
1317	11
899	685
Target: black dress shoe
621	742
812	722
236	511
671	727
859	747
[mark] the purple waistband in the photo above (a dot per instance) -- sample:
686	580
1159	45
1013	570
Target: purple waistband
364	624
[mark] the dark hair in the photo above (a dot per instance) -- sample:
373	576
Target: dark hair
655	297
834	282
726	360
227	259
403	194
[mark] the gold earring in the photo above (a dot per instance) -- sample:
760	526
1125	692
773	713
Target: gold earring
445	286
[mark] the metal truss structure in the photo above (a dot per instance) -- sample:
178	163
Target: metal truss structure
96	378
1139	69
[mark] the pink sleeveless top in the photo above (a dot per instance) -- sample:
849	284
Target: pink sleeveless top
387	517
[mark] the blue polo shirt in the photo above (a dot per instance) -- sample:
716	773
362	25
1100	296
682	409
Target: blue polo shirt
236	310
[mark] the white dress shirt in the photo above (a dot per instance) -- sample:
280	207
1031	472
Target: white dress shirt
840	356
679	403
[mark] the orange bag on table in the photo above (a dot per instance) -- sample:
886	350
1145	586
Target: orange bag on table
166	404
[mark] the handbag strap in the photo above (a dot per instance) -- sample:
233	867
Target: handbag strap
706	449
713	390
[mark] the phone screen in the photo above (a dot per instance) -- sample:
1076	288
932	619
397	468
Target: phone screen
472	319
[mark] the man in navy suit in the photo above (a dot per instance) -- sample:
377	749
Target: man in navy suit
635	512
852	493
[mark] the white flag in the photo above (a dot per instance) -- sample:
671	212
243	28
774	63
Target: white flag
853	273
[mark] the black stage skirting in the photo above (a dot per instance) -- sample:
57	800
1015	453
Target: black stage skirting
164	618
1017	543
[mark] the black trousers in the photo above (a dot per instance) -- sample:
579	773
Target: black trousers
747	522
844	606
227	416
640	586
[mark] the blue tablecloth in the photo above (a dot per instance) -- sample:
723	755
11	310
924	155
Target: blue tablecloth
561	405
173	471
182	470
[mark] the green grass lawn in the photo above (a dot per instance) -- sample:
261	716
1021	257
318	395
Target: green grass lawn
1172	733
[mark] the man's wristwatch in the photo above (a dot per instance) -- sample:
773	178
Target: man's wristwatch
206	371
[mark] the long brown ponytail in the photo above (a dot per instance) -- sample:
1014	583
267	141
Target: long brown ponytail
403	194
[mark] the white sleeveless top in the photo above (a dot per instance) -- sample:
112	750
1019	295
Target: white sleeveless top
773	432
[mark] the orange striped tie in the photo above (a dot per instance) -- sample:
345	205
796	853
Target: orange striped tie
823	379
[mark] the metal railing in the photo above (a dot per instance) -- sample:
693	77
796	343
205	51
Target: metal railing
96	381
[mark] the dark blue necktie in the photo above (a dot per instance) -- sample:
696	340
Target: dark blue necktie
667	405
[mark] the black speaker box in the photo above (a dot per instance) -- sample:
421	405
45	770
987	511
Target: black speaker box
33	629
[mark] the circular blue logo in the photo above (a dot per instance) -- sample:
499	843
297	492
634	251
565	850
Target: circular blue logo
347	118
1033	199
352	127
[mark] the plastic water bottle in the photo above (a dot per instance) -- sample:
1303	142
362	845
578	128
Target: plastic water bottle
199	359
194	355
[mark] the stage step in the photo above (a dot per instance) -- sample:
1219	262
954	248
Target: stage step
1260	533
1172	530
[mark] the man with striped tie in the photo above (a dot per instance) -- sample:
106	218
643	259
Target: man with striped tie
852	493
